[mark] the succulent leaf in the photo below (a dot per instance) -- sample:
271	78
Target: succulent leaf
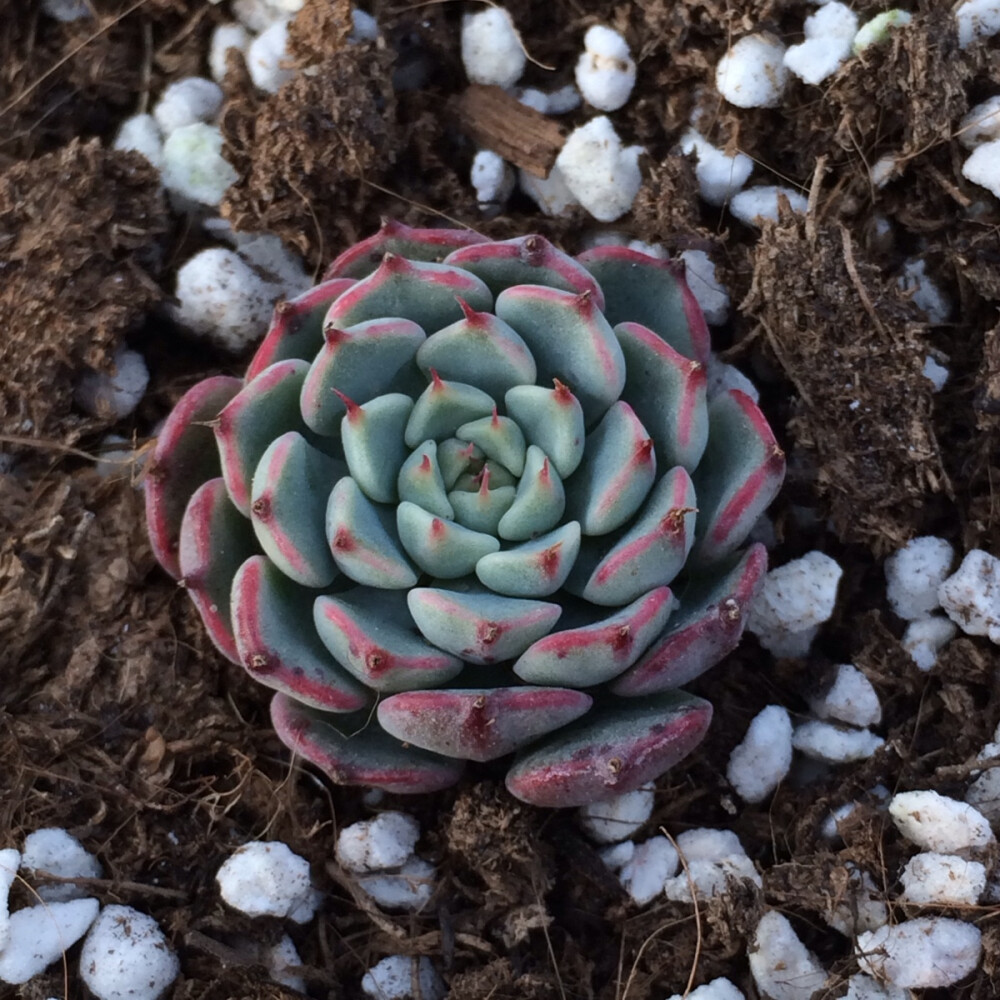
278	644
742	472
481	509
357	362
650	553
480	628
185	456
526	260
354	751
667	392
480	350
570	340
297	327
533	569
439	547
421	481
552	419
540	500
499	438
370	633
610	752
708	625
479	723
425	293
215	539
262	410
363	539
595	653
405	241
643	289
616	475
443	407
374	449
288	507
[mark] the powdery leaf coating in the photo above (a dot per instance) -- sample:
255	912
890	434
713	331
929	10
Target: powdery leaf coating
491	50
851	698
38	936
265	879
751	74
943	879
392	979
618	818
915	573
652	863
781	965
56	852
126	956
759	764
375	844
834	744
938	823
924	953
971	595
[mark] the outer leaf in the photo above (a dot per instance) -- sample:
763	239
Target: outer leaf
667	392
296	329
739	476
262	410
215	539
610	752
370	633
479	723
185	456
593	654
358	362
526	260
394	237
480	628
428	294
278	644
643	289
570	340
352	750
709	625
651	552
290	491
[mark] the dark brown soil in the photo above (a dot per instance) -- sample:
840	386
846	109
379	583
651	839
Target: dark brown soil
122	724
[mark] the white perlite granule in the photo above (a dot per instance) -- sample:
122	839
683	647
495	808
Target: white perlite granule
943	879
914	574
605	72
758	764
925	953
752	73
938	823
265	878
781	965
851	698
491	50
971	596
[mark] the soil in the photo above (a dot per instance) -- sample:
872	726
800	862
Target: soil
122	724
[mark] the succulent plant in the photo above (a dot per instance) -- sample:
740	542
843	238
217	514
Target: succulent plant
471	500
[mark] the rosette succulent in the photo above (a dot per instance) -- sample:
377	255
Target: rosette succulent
472	500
